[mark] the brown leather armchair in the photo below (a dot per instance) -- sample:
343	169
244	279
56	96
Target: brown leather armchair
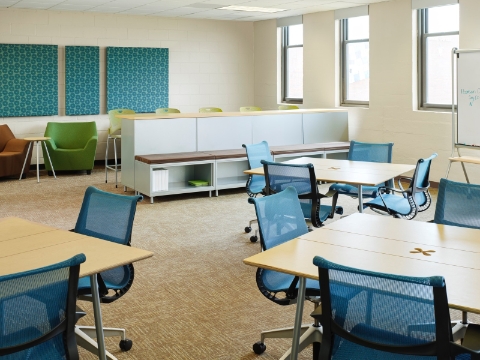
12	153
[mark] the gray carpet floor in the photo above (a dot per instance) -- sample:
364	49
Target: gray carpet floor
194	299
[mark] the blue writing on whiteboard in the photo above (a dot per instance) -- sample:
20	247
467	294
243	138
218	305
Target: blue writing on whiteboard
472	94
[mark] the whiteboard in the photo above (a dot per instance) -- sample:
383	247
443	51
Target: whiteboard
468	98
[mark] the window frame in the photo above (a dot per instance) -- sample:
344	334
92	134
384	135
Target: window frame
423	35
344	64
285	47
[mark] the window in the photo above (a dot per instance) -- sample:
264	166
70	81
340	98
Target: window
292	63
355	67
439	28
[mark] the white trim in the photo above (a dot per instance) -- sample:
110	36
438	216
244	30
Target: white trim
423	4
351	12
289	21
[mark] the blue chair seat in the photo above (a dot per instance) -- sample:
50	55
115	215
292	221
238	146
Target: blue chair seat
397	204
114	279
278	282
352	191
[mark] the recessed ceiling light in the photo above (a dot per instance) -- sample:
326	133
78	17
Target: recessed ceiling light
251	8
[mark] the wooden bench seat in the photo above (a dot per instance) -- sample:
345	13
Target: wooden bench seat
222	169
228	154
175	157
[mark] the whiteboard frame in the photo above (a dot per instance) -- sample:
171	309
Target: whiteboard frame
455	145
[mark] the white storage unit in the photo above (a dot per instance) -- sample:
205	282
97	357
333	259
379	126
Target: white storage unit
148	134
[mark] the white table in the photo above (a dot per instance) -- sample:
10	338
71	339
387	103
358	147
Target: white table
39	140
348	172
387	245
25	245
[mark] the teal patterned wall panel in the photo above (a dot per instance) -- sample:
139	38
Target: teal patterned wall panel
28	80
137	78
82	80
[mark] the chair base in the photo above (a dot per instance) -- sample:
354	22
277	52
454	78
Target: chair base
309	334
86	334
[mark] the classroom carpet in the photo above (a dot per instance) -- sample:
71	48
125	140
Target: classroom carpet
194	299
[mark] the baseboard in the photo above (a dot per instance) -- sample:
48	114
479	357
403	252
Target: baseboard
96	163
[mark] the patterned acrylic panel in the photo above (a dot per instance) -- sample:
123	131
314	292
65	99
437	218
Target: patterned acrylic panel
28	80
82	80
137	78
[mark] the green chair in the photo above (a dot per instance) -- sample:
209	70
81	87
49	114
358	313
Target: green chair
250	108
288	107
209	109
72	145
162	111
115	126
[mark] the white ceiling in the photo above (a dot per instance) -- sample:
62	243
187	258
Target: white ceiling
199	9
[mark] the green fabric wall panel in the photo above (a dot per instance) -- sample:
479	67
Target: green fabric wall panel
82	80
137	78
28	80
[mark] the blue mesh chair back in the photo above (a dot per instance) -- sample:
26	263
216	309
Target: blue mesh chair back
279	176
458	204
370	152
416	198
280	219
109	217
37	312
387	317
255	154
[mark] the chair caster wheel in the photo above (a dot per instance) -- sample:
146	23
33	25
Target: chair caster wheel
248	229
259	348
126	344
253	238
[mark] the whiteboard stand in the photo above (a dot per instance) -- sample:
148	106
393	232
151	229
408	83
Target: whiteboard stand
468	98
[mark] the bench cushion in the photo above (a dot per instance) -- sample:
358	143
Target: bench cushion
175	157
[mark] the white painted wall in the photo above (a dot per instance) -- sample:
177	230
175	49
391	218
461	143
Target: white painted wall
211	62
392	114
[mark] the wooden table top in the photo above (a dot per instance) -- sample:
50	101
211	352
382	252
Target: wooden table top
387	245
37	138
153	116
26	245
347	171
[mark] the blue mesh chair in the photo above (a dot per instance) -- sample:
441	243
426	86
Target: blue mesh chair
415	199
388	316
278	176
458	204
37	312
371	152
256	183
280	219
109	217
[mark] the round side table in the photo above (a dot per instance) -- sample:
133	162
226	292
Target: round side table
38	140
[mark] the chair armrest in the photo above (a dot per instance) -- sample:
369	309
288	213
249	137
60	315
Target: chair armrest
51	144
89	142
472	338
16	145
384	189
329	194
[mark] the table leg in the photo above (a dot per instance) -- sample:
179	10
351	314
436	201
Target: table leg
360	199
49	160
97	312
25	161
38	166
297	327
